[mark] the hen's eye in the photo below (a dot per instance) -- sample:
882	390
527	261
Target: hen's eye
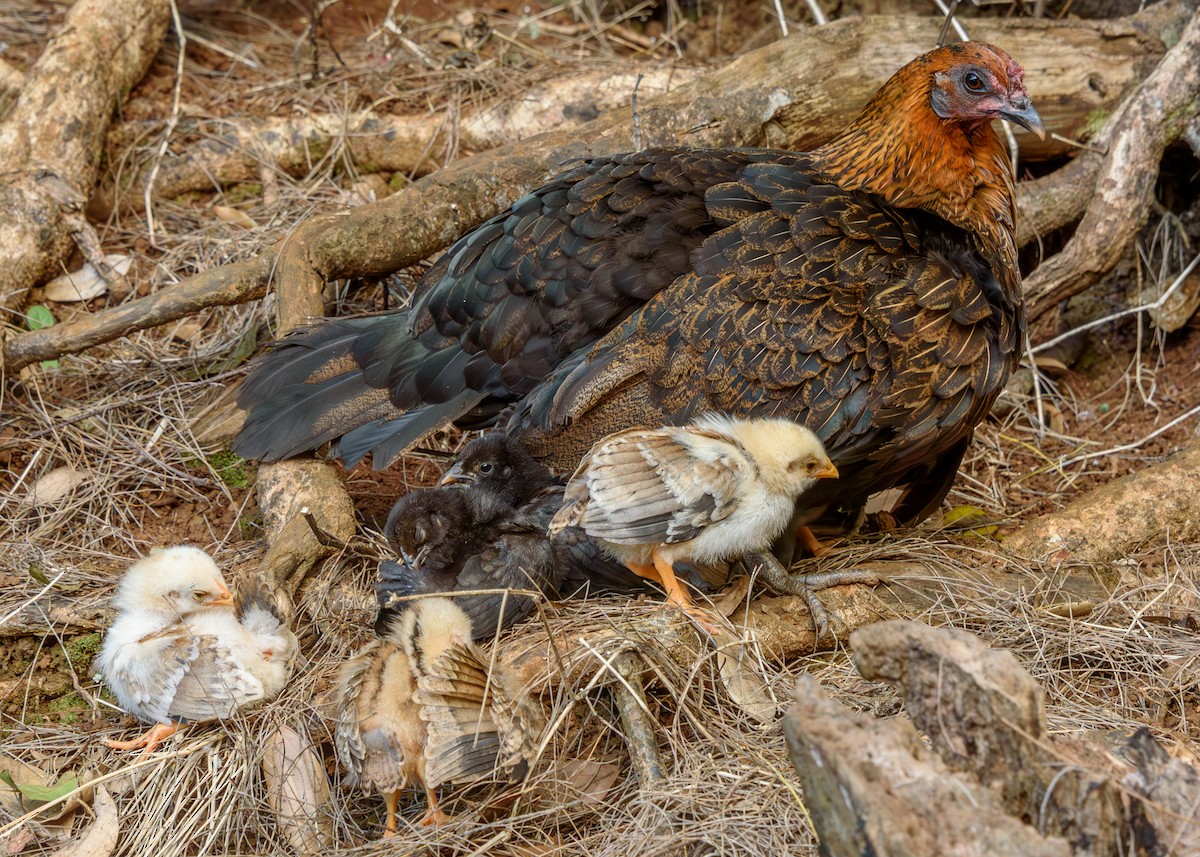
973	81
486	467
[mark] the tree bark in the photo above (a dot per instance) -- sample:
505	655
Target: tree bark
1156	114
50	144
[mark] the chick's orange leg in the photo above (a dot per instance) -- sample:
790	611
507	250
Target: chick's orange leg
647	571
391	800
810	542
678	596
154	736
434	815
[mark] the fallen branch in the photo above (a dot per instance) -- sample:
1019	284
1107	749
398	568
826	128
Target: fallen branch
1121	517
983	715
50	142
1156	114
216	153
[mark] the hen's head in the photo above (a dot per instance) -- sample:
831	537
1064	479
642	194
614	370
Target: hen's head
173	583
973	83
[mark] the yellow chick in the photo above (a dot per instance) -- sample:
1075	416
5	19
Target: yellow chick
418	708
704	493
183	650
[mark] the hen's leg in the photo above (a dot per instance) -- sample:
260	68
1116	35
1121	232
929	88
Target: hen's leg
767	567
157	733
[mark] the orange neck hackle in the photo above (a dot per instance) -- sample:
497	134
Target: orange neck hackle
900	149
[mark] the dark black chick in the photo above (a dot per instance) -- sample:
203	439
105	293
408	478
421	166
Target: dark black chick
504	480
485	528
482	529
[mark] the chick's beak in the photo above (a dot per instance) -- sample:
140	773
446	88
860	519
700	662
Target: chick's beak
221	598
829	471
1021	110
454	476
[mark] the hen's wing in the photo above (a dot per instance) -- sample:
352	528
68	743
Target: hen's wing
504	306
887	331
645	486
477	726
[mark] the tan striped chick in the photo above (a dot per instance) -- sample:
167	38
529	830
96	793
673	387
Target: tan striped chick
419	708
704	493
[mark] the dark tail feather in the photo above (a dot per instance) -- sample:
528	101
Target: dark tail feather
387	439
328	381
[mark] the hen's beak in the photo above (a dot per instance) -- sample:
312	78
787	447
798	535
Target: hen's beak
221	598
455	476
1021	111
829	471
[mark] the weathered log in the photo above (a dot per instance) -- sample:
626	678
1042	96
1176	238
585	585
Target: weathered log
217	154
984	717
731	106
1119	518
872	788
50	143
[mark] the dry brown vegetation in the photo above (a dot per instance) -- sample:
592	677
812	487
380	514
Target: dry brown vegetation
114	448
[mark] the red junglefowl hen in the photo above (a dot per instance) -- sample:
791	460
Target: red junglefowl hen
868	289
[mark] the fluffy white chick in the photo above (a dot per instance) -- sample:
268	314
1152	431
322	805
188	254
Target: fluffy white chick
177	652
419	708
704	493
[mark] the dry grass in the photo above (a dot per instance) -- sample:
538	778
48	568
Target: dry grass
122	417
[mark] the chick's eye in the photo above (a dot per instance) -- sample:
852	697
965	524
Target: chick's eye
486	467
973	81
199	595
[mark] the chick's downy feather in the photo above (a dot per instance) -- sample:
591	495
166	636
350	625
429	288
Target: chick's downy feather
180	649
868	289
707	492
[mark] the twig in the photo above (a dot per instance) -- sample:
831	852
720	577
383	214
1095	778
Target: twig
43	591
172	121
630	697
1134	444
817	12
1116	315
323	537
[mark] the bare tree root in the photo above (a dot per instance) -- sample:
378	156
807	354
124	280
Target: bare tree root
732	106
998	773
51	141
1156	114
1121	517
218	153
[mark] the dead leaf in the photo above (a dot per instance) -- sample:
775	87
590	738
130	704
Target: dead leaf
585	780
23	787
1051	366
732	597
743	680
298	791
55	485
232	216
101	838
86	283
1179	307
